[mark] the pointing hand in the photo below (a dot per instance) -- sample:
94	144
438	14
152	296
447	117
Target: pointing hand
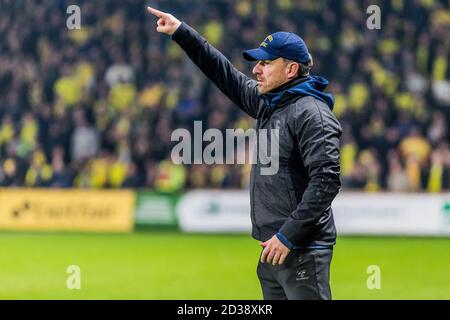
167	23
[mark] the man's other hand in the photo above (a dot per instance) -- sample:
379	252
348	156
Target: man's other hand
275	252
167	23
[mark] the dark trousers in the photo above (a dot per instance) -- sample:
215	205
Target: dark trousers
305	275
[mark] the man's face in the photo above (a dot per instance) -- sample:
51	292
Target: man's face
271	74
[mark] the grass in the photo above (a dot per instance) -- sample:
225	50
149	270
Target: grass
171	265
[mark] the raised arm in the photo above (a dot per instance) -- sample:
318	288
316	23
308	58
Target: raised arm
234	84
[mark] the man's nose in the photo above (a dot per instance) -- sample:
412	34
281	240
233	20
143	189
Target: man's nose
256	69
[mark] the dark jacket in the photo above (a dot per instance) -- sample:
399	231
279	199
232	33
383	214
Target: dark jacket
294	203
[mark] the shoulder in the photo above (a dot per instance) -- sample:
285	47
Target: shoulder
311	110
309	106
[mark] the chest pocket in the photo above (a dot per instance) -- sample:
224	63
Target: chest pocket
279	136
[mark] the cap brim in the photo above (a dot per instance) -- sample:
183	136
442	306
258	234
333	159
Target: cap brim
258	54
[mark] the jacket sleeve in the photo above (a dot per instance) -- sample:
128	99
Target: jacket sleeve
318	135
233	83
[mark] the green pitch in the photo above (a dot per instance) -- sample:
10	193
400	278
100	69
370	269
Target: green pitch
169	265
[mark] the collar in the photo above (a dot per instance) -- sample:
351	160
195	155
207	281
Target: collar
278	95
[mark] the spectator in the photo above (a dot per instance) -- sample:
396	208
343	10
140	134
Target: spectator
85	142
398	180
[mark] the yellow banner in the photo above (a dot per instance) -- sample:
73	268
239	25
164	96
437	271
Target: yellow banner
66	210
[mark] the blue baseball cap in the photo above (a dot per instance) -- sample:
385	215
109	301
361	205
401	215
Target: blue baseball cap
286	45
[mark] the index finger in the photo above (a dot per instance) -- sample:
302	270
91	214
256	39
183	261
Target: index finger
157	13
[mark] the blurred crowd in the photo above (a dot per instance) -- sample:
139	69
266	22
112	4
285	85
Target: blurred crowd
95	107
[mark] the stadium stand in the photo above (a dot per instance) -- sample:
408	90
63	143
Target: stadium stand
95	107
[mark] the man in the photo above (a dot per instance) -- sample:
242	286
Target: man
290	210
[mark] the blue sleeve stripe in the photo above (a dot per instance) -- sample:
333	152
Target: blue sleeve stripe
284	240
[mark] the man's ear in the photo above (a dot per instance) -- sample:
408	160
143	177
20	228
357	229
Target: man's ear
293	69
